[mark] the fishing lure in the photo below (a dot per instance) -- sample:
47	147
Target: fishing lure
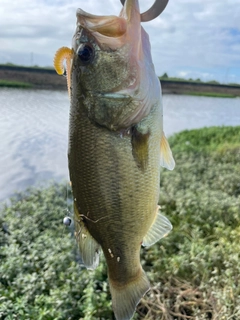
62	54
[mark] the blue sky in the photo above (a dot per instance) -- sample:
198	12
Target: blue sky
191	39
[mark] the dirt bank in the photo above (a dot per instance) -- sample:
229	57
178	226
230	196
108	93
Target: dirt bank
182	87
41	78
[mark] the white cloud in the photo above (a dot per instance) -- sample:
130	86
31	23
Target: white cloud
183	74
189	34
186	74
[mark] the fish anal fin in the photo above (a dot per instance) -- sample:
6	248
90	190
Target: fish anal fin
159	229
88	246
126	297
140	151
166	157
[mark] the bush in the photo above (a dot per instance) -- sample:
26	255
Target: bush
194	272
39	274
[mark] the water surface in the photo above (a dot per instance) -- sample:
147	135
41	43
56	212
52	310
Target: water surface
34	131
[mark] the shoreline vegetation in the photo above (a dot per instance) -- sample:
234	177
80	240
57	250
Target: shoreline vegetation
15	84
194	271
46	78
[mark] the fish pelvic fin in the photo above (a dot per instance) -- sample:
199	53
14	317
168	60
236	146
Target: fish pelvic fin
166	157
126	297
159	229
88	247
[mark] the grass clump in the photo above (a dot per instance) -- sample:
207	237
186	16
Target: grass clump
40	277
14	84
211	94
194	272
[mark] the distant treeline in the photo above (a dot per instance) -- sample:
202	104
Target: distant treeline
36	77
165	77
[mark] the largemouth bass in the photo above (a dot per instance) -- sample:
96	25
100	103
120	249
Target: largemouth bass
116	147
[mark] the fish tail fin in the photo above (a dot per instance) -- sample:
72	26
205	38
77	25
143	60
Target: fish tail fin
126	297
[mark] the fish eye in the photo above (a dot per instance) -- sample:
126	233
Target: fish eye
85	53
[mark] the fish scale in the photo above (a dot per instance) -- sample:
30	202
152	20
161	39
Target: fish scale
113	186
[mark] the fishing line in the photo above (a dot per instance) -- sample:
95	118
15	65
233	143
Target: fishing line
67	220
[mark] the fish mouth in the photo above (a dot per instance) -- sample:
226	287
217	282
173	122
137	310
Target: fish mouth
112	30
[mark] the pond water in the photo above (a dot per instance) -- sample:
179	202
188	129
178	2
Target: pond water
34	131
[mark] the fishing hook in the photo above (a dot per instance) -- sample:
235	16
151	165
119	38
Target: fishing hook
155	10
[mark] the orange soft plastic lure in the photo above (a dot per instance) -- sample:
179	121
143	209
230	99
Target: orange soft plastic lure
62	54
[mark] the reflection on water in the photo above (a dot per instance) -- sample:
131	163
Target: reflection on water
34	131
191	112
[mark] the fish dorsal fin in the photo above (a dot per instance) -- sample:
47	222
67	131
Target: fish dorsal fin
159	229
166	157
62	54
88	246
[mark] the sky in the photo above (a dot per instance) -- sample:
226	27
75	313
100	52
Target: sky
190	39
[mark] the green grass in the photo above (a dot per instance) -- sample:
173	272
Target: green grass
194	272
25	66
14	84
207	141
210	94
200	93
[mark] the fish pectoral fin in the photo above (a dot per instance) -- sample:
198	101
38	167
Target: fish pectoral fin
166	157
62	54
88	247
159	229
126	297
140	151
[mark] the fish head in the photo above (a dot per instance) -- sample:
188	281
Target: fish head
112	68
